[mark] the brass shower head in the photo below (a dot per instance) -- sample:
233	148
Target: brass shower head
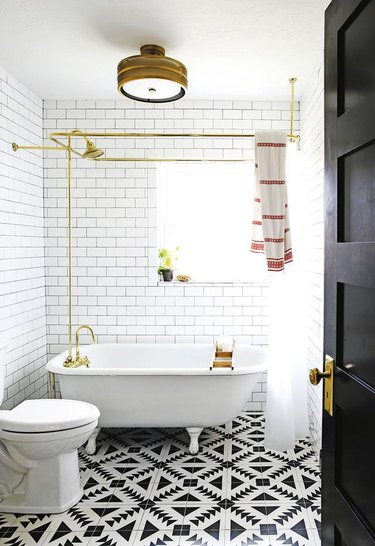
92	152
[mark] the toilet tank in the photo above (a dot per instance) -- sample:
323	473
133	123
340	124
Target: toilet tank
3	346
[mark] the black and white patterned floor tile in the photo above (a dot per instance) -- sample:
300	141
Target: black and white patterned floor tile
144	488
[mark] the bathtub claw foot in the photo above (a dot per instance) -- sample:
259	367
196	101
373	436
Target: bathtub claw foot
91	442
194	433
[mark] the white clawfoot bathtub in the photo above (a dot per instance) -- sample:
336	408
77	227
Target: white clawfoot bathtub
161	385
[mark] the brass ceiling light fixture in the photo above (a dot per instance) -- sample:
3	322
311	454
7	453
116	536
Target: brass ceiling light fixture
151	76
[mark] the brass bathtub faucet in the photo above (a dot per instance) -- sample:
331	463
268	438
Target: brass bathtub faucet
79	360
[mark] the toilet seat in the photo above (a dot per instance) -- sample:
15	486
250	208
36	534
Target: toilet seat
45	416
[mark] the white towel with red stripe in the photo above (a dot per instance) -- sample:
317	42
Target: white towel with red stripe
271	230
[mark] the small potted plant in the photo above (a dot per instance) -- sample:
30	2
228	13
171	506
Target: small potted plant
167	259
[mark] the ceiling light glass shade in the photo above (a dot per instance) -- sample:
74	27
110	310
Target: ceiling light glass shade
151	76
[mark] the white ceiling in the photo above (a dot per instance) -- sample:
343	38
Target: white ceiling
232	48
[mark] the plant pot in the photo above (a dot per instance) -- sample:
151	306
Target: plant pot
167	274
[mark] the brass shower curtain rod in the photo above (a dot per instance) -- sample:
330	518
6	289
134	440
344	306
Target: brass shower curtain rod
76	134
53	137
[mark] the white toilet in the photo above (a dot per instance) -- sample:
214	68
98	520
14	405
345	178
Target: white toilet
39	439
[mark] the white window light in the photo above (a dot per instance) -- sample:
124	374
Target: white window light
206	210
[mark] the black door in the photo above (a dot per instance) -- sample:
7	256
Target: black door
348	496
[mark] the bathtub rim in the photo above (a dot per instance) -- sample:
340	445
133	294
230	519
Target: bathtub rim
55	365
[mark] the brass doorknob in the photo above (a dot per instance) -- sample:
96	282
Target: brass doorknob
315	375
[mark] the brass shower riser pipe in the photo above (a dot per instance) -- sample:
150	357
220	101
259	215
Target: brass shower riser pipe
69	176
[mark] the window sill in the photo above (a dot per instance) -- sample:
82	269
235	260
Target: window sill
215	283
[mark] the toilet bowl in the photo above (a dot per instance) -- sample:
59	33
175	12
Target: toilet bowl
39	439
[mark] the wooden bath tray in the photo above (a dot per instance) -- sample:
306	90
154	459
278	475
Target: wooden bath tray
223	354
223	359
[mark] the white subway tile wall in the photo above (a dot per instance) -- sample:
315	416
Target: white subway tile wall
312	148
22	273
115	283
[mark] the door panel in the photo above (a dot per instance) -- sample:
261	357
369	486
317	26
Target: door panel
362	254
354	128
356	173
348	455
356	331
353	457
339	540
356	40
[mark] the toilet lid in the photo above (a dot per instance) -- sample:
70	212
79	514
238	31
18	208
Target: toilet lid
48	416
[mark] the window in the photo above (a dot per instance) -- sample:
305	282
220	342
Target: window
206	210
